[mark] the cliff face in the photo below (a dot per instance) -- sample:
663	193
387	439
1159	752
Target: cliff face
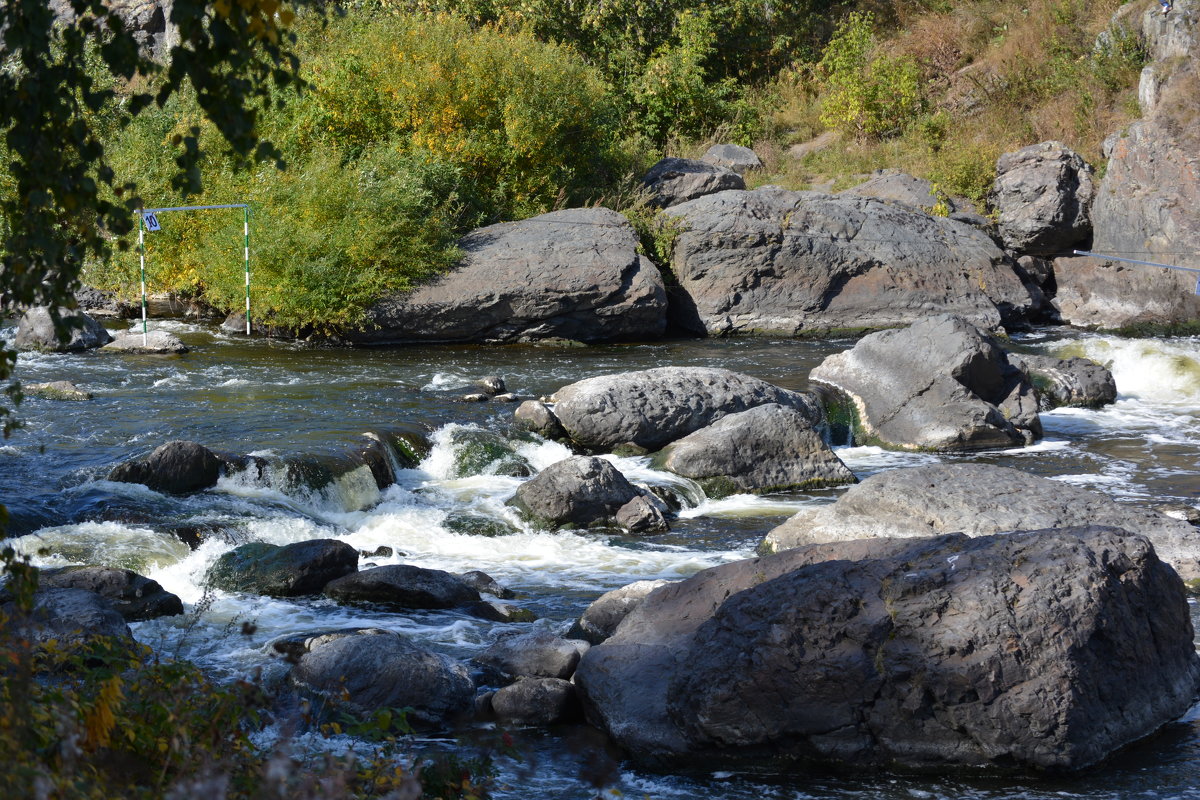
148	19
1148	204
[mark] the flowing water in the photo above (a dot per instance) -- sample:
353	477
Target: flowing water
307	408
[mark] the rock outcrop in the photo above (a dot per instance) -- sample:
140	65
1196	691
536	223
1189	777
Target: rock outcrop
767	448
979	500
573	274
784	263
676	180
1043	650
941	384
649	409
733	156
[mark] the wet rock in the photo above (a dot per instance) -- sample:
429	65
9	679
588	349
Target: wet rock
774	262
69	617
573	274
536	654
1043	195
36	331
56	390
507	397
478	397
480	452
177	467
654	407
536	416
767	448
642	514
491	385
483	583
156	342
383	551
675	180
941	384
373	669
403	586
133	596
537	701
603	616
578	491
1044	650
733	156
978	499
1077	382
292	570
476	524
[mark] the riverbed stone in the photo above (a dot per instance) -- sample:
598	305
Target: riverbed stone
652	408
36	331
643	514
602	617
403	586
767	448
292	570
580	491
69	616
133	596
1042	650
572	274
675	180
1043	196
537	701
978	500
781	263
536	416
374	669
56	390
1077	382
535	654
941	384
155	342
482	452
177	467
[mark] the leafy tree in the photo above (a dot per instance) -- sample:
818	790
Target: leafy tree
62	201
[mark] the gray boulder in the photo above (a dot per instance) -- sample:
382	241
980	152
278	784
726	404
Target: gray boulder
1043	195
176	467
978	500
538	654
651	408
643	514
155	342
602	617
69	617
56	390
291	570
579	491
733	156
133	596
1075	381
918	194
536	416
1045	650
537	701
775	262
766	448
675	180
403	586
36	331
573	274
375	669
940	385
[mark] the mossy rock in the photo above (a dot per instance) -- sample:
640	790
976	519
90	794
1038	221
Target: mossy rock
56	390
478	452
289	571
476	525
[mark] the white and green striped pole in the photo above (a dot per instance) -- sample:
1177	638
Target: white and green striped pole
246	240
142	259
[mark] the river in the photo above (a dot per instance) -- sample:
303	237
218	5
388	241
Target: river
286	400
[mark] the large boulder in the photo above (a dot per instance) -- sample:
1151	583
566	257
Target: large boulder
602	617
1044	650
1075	381
133	596
1043	196
370	670
652	408
918	194
176	467
292	570
36	331
733	156
538	654
580	491
573	274
537	701
156	342
69	617
676	180
941	385
403	586
978	500
766	448
784	263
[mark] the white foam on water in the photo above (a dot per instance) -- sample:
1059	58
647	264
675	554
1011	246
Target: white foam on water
1165	371
542	454
869	458
745	505
111	544
446	380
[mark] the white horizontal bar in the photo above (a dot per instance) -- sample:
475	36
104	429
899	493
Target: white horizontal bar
191	208
1135	261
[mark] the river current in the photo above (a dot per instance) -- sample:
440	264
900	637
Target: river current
285	400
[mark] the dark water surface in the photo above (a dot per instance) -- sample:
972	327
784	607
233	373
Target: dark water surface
286	400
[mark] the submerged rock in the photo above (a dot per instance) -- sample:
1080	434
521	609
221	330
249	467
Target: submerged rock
978	500
56	390
941	384
292	570
1043	650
